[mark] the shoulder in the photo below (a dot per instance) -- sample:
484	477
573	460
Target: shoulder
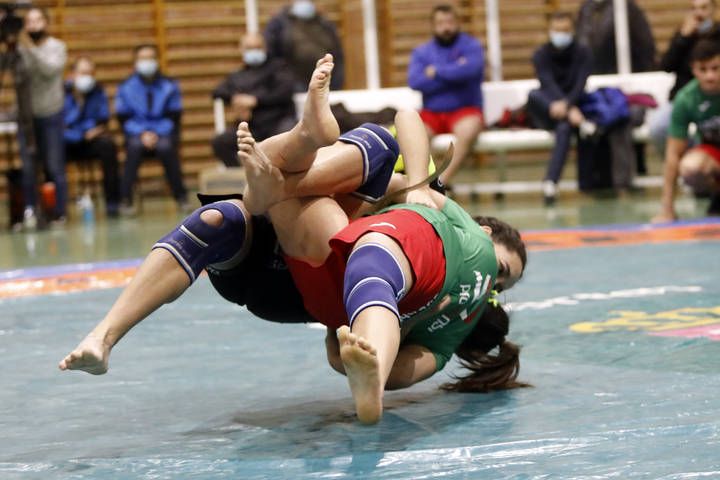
542	51
129	82
470	41
55	43
168	83
689	94
276	64
582	50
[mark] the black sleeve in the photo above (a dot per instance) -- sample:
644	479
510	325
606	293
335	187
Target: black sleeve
543	70
584	60
224	90
280	90
677	55
641	40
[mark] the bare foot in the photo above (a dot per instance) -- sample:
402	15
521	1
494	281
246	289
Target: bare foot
91	355
318	123
361	366
265	182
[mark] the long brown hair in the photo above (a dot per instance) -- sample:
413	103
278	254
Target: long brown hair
488	372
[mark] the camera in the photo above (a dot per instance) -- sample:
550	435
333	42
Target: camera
10	22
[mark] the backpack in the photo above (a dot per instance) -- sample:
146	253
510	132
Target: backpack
605	107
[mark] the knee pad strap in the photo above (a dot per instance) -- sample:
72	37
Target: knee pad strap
373	277
197	245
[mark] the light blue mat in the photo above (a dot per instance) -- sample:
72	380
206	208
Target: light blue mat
202	390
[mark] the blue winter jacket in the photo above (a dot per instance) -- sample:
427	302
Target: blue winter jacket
78	118
131	105
459	74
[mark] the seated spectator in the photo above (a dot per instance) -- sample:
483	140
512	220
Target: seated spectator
260	93
596	29
44	57
149	106
695	159
448	71
699	23
86	134
562	66
300	35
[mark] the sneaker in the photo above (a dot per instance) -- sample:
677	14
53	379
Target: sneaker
550	190
126	210
185	207
59	222
30	221
714	207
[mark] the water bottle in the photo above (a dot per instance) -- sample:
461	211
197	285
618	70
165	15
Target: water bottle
87	209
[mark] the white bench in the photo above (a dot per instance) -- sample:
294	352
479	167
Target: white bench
498	96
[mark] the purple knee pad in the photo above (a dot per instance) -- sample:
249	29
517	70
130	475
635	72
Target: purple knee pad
373	277
380	151
197	245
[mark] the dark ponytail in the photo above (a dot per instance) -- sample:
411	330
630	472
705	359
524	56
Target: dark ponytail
488	372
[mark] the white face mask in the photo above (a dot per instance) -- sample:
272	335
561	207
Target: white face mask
304	9
84	83
146	67
561	40
705	25
254	57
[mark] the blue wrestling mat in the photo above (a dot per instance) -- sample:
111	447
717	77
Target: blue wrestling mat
621	343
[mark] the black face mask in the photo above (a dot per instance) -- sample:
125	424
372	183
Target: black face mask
37	36
447	41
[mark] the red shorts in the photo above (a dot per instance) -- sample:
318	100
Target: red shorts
322	287
711	150
443	122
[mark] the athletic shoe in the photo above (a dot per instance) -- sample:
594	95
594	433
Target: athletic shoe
127	210
714	207
30	221
550	191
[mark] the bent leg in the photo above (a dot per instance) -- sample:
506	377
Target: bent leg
700	170
466	131
377	277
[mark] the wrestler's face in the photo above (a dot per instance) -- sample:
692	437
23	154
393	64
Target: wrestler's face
510	267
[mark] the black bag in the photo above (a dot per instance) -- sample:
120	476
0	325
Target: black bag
16	202
594	163
607	160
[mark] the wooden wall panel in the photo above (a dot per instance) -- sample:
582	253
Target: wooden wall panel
199	42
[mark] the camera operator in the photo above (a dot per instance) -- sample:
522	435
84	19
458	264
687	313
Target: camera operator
44	58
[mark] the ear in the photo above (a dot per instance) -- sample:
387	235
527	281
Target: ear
487	229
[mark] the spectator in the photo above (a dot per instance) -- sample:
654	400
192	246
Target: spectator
44	57
260	93
149	107
300	35
86	133
697	102
596	29
699	23
448	71
562	66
